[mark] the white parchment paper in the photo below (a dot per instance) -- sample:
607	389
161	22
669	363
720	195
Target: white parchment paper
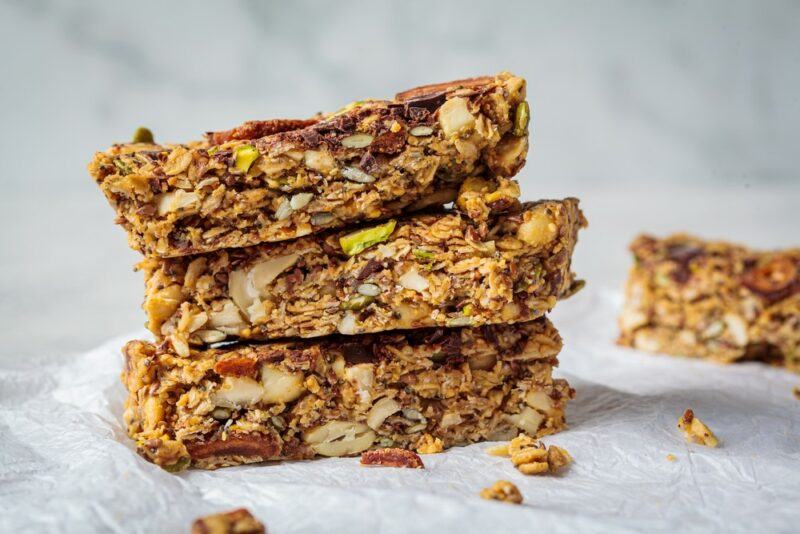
66	464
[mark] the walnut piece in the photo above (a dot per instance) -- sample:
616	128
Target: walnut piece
531	457
502	490
696	431
392	458
239	521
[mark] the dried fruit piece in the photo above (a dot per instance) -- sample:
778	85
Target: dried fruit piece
771	277
522	117
236	366
502	490
142	135
695	430
245	155
239	521
392	458
358	241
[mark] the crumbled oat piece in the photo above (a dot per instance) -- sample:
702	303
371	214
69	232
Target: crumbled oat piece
392	458
671	457
502	490
695	430
498	450
239	521
430	445
532	458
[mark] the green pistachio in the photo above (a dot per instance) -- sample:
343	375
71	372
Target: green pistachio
122	167
245	156
178	466
521	119
357	302
358	241
142	135
423	255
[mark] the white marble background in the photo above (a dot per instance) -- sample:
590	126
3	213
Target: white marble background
659	115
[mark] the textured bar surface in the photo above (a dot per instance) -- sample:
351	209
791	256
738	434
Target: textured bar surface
371	160
342	395
439	269
714	300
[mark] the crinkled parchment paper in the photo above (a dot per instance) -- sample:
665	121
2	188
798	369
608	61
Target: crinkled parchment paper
67	465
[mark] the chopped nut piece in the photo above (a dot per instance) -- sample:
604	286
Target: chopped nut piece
392	458
557	458
300	200
239	521
142	135
321	218
357	175
522	117
671	457
502	490
696	431
340	438
421	131
357	140
430	445
361	240
245	156
357	302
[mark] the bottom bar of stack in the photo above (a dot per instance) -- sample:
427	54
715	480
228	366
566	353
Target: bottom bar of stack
421	390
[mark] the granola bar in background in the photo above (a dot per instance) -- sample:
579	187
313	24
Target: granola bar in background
713	300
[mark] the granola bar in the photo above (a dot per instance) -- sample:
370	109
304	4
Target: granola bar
340	396
239	521
713	300
269	181
437	269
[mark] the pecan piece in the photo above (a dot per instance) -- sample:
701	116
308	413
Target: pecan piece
772	277
236	366
236	445
437	89
257	129
392	458
239	521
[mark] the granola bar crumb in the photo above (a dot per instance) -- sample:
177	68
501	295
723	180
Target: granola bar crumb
796	392
502	490
696	431
498	450
392	458
430	445
671	458
239	521
531	457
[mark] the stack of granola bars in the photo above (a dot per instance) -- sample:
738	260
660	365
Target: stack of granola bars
310	295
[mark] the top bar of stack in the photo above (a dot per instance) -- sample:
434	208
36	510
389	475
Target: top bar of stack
277	180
